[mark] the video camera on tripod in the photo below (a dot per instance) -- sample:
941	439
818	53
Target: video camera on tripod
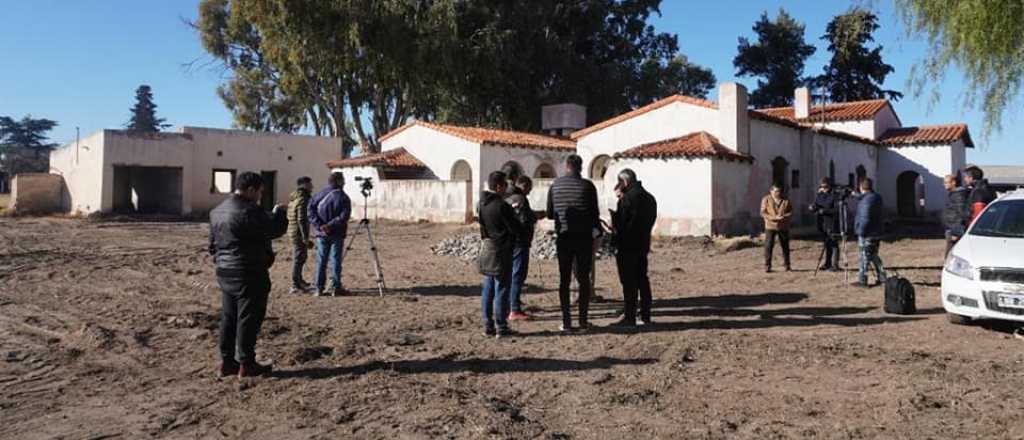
366	186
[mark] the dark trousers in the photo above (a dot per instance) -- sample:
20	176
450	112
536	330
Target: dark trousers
950	241
632	266
243	307
575	252
299	255
831	250
769	246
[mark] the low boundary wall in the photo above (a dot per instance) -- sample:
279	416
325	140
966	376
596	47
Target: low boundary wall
438	201
37	193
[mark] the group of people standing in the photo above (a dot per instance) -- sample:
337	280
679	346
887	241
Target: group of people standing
964	203
241	232
828	207
507	224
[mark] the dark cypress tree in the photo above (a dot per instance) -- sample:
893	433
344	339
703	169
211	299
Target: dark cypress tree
855	72
144	113
776	59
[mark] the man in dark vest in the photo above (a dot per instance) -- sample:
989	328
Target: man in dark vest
572	204
240	236
632	222
980	193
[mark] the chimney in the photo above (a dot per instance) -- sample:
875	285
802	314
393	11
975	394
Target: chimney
734	120
563	119
801	103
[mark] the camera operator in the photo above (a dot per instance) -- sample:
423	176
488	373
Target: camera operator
240	236
329	211
824	208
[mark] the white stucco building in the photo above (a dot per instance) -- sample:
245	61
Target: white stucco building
710	163
188	172
427	150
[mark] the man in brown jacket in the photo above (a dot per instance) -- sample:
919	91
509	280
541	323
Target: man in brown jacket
777	212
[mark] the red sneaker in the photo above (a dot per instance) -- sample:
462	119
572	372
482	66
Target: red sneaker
252	369
518	316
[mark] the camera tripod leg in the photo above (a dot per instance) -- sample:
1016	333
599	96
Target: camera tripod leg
376	259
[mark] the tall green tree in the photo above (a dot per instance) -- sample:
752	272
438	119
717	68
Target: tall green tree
855	71
24	144
777	59
360	68
143	117
983	38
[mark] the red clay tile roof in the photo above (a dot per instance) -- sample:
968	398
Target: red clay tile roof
699	144
647	108
397	158
495	136
927	134
840	111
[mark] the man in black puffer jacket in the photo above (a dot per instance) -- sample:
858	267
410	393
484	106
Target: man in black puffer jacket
572	204
956	215
633	221
499	229
240	235
825	209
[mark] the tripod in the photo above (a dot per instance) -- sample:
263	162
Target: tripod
364	224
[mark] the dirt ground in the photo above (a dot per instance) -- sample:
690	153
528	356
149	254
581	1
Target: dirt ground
107	330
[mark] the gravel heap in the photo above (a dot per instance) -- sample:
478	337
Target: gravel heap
467	247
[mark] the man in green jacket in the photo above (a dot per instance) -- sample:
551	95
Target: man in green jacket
298	232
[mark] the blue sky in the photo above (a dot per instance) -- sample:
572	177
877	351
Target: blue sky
80	62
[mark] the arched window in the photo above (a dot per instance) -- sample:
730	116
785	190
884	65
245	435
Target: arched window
544	171
462	171
599	166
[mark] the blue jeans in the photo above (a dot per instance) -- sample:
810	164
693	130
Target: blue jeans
328	247
869	255
494	301
520	268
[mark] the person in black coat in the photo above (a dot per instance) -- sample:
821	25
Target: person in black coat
980	193
499	229
240	236
632	223
956	214
825	208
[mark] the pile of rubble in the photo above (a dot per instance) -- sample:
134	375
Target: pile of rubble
467	247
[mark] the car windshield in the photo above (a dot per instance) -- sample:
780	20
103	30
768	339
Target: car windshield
1001	219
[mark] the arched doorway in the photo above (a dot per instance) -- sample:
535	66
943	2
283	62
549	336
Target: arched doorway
779	171
544	171
462	171
599	167
908	194
512	170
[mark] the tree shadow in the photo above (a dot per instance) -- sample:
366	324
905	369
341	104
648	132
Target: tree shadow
446	290
449	364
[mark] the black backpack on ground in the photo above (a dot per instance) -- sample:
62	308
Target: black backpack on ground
899	296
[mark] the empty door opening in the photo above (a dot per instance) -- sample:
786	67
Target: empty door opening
147	190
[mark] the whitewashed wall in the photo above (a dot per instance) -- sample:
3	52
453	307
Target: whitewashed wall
930	162
82	170
150	150
291	156
735	203
438	151
441	201
863	128
492	158
673	120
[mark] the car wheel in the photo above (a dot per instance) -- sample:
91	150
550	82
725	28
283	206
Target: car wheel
958	319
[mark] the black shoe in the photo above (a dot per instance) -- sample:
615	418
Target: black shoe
859	284
565	328
584	326
789	268
768	269
624	323
505	333
252	369
826	267
489	332
645	322
229	367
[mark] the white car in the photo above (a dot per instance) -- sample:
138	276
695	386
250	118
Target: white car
983	277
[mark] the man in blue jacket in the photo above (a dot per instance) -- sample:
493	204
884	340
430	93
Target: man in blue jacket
868	227
329	211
